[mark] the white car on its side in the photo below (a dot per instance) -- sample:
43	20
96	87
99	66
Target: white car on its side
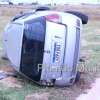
45	45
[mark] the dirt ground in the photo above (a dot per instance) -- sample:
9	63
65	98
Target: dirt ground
17	88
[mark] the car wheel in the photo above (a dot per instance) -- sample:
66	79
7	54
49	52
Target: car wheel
82	16
42	8
77	77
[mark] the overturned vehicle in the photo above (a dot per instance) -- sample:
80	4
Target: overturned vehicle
44	45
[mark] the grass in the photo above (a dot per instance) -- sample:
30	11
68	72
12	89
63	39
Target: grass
13	93
90	34
92	38
18	94
3	21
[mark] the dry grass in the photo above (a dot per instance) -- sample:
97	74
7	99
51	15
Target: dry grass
93	11
13	10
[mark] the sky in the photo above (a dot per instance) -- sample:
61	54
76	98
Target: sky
56	1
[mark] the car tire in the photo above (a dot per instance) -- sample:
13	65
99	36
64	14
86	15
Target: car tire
82	16
42	8
77	77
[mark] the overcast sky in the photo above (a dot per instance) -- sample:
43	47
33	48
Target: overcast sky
57	1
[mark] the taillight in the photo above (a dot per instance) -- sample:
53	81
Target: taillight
53	17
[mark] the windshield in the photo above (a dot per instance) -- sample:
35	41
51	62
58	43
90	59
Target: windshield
33	47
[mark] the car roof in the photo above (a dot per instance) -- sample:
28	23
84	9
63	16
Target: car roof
43	13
